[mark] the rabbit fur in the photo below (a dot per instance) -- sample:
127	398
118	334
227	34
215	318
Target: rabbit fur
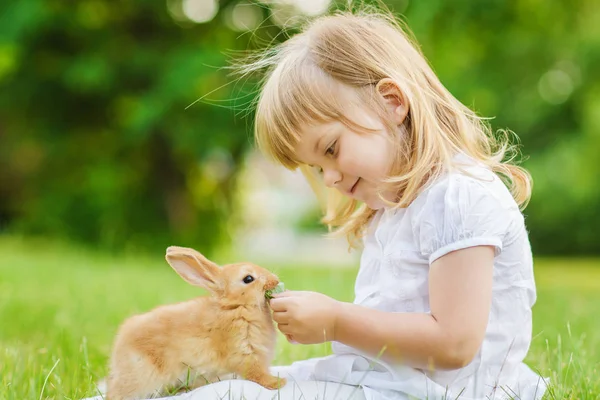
195	342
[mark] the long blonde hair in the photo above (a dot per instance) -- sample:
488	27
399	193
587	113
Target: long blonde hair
356	50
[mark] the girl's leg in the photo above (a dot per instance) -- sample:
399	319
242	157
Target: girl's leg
237	389
300	385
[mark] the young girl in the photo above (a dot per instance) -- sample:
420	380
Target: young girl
445	287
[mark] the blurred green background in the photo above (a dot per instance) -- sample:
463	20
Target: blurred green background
98	144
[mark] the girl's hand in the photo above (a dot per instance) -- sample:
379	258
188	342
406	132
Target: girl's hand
305	317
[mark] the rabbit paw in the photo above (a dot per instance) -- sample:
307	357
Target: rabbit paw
272	383
267	381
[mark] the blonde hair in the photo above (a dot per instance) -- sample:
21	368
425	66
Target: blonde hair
357	50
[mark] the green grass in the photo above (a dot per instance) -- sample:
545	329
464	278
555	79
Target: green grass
60	306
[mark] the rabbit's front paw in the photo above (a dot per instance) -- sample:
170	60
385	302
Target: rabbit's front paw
267	381
272	383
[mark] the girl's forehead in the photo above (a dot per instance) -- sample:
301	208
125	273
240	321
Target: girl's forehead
298	103
310	134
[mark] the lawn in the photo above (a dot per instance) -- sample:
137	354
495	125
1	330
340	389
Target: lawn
60	306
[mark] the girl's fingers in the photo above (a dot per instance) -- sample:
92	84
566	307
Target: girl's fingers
278	304
284	328
281	317
290	339
292	293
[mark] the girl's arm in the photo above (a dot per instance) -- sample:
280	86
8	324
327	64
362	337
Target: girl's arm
460	291
447	338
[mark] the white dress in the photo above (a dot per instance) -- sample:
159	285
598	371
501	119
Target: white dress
455	212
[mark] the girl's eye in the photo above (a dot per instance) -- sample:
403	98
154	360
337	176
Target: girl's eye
248	279
331	149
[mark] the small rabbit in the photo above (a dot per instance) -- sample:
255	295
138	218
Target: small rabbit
229	332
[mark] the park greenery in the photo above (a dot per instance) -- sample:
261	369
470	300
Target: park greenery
103	141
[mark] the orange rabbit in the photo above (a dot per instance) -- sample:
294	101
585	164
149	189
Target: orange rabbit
229	332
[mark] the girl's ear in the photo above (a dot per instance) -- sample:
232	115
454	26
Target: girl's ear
193	267
394	99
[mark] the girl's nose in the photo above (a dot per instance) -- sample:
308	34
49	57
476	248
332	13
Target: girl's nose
331	177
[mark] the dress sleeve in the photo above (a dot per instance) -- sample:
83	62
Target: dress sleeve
462	212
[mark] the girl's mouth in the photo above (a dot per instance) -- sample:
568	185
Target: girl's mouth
353	188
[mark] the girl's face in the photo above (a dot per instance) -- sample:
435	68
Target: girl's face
355	163
352	163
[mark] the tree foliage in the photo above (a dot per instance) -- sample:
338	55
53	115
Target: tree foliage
98	144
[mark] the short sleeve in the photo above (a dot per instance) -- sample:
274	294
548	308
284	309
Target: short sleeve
463	211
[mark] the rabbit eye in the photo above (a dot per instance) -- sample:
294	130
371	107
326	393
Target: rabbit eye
248	279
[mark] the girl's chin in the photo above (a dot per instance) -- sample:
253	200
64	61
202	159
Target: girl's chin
374	203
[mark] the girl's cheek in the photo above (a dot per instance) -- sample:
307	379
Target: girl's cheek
346	164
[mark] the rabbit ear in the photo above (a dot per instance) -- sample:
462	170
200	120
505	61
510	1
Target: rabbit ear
193	267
